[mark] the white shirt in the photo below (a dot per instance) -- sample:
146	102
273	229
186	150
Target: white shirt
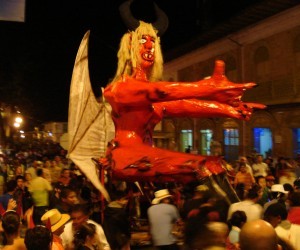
253	210
289	232
161	219
260	169
68	236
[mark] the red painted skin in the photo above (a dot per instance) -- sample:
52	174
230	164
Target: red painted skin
138	105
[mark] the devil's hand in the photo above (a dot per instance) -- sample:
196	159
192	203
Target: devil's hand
229	92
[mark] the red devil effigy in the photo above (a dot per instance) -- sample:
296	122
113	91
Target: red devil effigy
138	100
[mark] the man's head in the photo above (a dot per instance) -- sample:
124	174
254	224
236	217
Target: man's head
258	234
69	196
39	172
275	213
65	173
270	179
297	184
254	193
242	167
20	181
79	214
259	158
38	238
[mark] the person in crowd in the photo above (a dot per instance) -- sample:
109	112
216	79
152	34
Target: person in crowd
272	170
67	199
235	223
266	194
116	223
80	215
248	167
243	176
86	238
250	206
39	189
56	221
46	170
258	234
203	229
11	186
33	168
22	196
54	170
38	238
58	161
162	216
65	177
294	209
201	196
276	214
278	194
270	181
296	184
11	224
28	179
259	167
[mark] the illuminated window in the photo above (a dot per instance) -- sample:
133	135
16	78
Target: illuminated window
263	141
205	140
186	139
296	141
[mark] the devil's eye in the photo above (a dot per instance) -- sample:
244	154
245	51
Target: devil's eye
143	40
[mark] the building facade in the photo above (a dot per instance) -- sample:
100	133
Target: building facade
267	53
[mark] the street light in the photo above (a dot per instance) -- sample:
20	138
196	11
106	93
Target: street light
18	121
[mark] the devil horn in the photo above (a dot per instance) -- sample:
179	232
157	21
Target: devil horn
161	23
125	12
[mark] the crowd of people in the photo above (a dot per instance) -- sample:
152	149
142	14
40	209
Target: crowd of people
47	201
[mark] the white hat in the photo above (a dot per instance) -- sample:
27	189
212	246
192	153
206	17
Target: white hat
56	219
160	195
278	188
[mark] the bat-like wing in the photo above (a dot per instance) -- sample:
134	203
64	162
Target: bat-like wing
90	126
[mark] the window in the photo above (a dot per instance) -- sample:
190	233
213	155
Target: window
186	139
263	141
231	144
205	140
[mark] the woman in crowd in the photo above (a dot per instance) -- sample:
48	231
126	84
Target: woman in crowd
235	223
68	198
11	224
84	238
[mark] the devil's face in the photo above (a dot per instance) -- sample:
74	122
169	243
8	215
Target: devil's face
146	51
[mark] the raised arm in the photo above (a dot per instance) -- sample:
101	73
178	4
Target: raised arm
131	91
203	108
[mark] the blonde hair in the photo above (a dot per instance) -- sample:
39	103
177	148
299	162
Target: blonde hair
129	51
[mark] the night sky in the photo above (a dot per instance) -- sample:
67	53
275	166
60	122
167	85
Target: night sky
37	56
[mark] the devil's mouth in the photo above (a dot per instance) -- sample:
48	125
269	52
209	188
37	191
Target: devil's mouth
147	56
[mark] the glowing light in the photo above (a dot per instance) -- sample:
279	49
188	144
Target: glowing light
17	125
18	120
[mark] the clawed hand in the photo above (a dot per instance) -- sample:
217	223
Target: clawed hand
245	109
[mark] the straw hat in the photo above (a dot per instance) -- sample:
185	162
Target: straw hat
278	188
160	195
201	188
56	219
